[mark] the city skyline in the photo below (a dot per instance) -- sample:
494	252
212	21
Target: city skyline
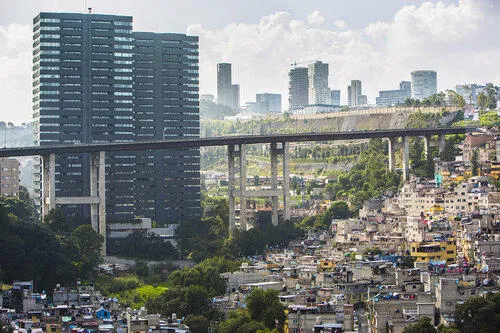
261	45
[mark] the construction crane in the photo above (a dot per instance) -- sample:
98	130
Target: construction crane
294	64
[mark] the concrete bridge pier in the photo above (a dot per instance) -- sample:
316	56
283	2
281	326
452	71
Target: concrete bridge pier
406	157
286	180
392	153
48	183
274	193
427	144
274	182
441	142
96	200
243	186
231	181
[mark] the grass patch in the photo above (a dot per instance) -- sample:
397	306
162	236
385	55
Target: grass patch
137	297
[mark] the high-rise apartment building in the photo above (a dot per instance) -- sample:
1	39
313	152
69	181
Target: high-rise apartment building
268	103
97	81
335	96
166	182
319	92
394	97
355	95
423	84
9	177
228	94
298	88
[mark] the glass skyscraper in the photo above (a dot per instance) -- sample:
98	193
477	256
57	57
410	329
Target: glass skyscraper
423	84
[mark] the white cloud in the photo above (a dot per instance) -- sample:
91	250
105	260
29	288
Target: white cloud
315	19
340	24
15	72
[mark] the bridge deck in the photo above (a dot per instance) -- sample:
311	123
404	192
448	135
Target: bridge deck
226	140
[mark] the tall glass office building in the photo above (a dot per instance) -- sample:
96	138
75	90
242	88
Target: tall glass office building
93	82
423	84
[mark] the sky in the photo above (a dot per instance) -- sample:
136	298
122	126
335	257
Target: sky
378	42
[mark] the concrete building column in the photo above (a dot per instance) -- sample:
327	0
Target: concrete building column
102	198
441	142
243	186
392	155
406	158
427	142
274	183
286	181
94	207
48	183
231	184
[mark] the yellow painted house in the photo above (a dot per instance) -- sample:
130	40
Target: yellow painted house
437	251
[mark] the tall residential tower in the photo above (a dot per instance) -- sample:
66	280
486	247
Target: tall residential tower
355	95
228	94
298	88
96	81
319	92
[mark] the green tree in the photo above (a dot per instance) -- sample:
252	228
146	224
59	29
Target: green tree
474	161
197	324
196	299
443	329
240	321
450	151
481	101
491	96
55	220
28	201
141	268
89	244
423	325
17	207
479	314
30	251
264	306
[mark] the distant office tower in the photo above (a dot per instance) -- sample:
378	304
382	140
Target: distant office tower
9	177
319	92
207	97
268	103
363	100
354	94
335	96
235	97
394	97
470	92
228	94
298	88
423	84
96	81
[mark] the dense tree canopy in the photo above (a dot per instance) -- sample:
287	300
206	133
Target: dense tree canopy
368	178
423	325
30	251
479	314
45	253
144	245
